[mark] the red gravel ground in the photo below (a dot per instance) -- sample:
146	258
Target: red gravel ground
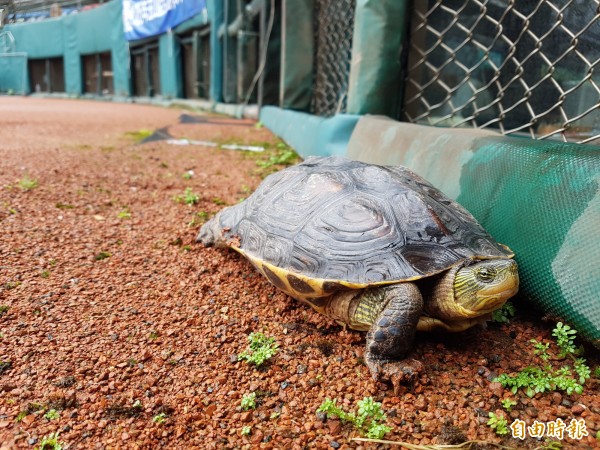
112	315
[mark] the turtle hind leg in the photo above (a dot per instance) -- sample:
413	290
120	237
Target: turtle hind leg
392	332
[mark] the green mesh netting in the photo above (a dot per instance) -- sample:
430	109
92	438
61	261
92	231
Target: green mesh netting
543	199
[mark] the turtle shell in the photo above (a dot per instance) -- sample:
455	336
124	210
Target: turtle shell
332	223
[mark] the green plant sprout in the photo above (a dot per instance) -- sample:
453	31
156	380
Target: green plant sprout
11	285
368	419
52	414
198	219
154	335
219	202
124	213
498	424
102	255
539	380
504	314
508	403
27	184
551	445
188	197
159	418
246	430
139	135
260	349
248	401
50	442
284	156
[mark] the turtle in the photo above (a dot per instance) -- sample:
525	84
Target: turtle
376	248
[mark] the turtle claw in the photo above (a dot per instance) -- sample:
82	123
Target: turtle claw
396	372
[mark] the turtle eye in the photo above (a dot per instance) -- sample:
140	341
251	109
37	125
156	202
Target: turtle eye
486	274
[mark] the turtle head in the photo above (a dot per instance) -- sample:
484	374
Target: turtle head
485	286
210	233
473	289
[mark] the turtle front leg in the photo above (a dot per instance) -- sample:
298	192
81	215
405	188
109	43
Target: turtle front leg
396	310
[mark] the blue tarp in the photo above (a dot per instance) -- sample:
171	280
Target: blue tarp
145	18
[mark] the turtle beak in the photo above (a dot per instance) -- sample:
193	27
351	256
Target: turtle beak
492	302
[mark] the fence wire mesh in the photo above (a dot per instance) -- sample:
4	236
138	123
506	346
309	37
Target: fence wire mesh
334	22
521	66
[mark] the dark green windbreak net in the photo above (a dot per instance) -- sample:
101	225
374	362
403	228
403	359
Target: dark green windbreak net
543	199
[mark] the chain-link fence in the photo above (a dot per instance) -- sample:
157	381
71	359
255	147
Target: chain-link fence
520	66
334	22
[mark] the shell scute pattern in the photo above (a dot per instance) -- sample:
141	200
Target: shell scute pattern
331	223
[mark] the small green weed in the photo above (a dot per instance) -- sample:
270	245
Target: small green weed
219	202
154	335
124	213
551	445
187	175
139	135
248	401
188	197
368	420
34	407
198	219
21	416
159	418
50	442
542	379
3	309
102	255
27	184
246	430
504	314
60	205
11	285
52	414
274	415
45	274
260	349
508	403
283	156
498	424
